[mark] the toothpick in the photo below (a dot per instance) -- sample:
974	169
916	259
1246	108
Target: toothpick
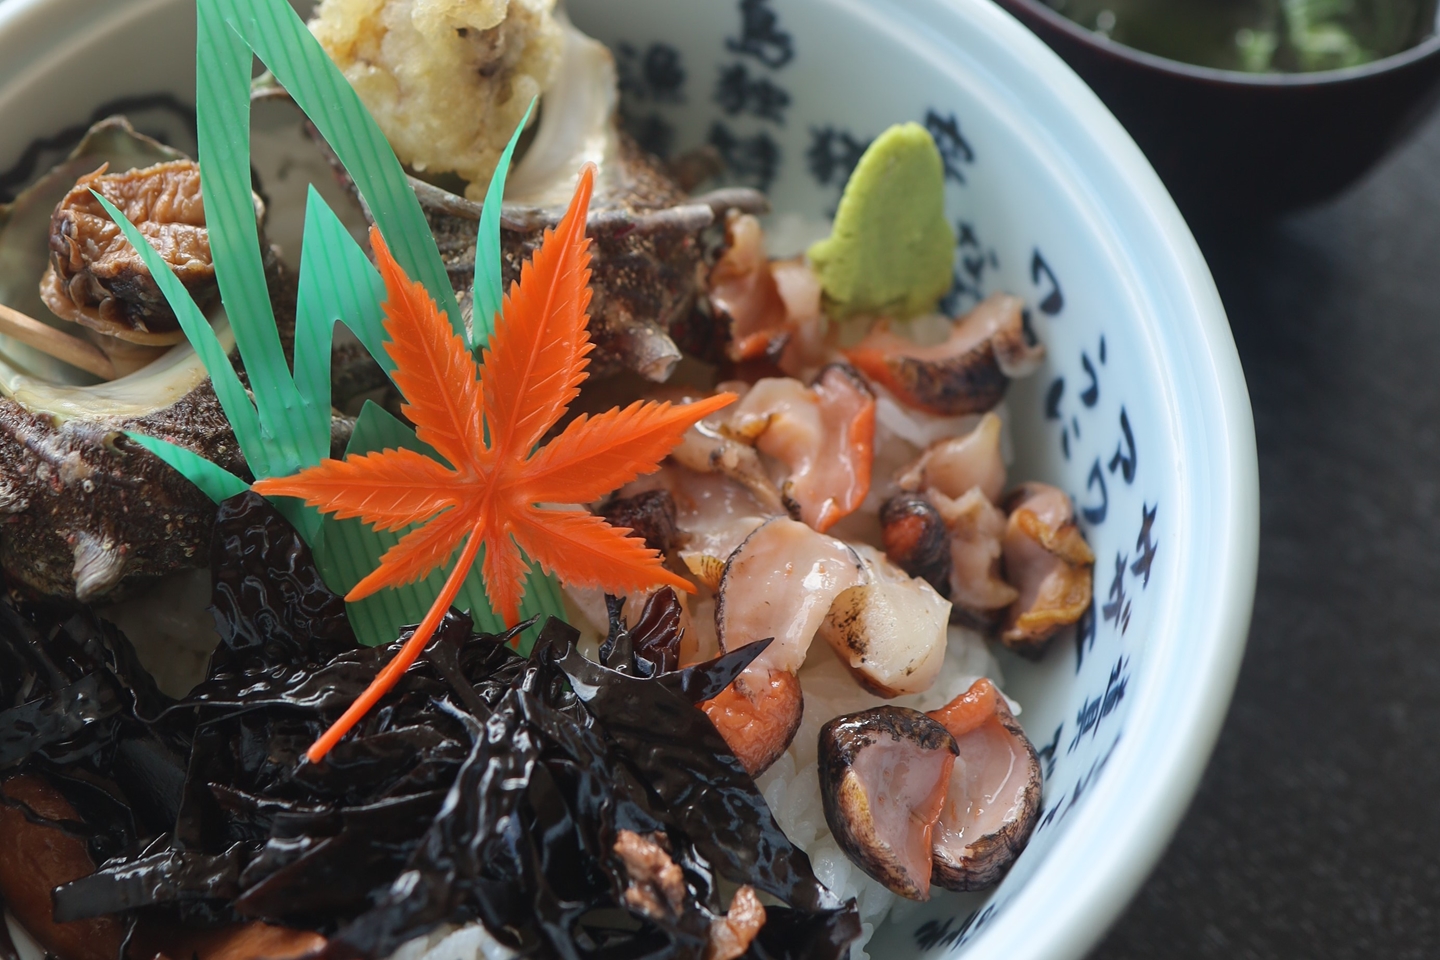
45	338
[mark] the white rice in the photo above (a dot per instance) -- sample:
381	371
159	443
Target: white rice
792	786
449	942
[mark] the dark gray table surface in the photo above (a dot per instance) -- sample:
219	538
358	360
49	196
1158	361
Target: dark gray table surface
1316	829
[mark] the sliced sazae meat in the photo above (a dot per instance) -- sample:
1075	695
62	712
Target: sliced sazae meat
916	539
823	434
779	583
977	528
883	781
966	373
957	482
954	465
744	294
993	795
890	630
956	546
708	449
758	715
713	511
1048	562
770	309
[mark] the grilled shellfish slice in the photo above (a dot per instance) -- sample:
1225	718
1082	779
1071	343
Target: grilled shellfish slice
1048	563
993	796
97	279
967	373
883	777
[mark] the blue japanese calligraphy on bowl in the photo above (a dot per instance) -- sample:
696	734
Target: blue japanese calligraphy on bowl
1140	411
1140	414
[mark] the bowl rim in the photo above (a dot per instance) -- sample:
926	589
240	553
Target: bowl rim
1427	48
1115	837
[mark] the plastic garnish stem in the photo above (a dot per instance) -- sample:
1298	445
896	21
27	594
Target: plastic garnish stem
386	679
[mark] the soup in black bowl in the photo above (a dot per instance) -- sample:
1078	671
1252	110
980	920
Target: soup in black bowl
1248	108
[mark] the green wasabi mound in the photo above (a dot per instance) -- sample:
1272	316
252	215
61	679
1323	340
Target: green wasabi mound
891	250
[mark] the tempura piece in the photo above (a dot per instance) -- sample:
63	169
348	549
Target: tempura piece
447	80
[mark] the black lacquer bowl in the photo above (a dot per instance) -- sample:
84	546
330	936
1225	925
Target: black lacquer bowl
1240	146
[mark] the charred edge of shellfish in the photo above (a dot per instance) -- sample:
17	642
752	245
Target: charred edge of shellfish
994	853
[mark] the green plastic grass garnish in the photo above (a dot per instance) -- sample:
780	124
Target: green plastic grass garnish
287	425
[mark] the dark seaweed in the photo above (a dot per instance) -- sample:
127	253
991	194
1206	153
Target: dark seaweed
164	876
76	706
483	787
650	647
269	602
67	681
797	935
696	778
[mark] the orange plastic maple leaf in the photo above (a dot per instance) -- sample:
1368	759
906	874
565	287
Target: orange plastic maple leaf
486	424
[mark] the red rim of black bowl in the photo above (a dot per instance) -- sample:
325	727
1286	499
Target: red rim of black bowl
1427	47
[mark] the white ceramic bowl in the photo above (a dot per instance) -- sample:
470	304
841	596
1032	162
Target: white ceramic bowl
1140	411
